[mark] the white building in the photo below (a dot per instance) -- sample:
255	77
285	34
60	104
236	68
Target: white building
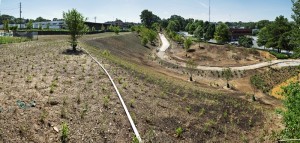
51	24
36	25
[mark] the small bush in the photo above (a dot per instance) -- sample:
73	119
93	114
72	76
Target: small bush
64	132
279	55
179	132
144	41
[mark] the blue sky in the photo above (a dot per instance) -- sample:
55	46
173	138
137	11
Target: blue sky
129	10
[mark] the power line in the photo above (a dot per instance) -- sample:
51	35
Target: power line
20	14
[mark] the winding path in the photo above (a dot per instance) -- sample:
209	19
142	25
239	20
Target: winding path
275	63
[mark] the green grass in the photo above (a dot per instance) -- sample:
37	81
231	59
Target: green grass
7	40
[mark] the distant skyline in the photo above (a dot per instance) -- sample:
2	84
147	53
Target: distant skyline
130	10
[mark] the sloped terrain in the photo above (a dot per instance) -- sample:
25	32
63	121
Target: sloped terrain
43	86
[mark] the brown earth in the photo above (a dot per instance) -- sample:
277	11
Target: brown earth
218	55
72	89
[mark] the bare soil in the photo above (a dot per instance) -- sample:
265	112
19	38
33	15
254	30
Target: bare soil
72	89
181	106
218	55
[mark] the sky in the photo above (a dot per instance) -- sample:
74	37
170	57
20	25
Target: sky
129	10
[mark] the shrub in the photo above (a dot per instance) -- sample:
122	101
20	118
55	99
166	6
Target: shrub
179	132
144	41
64	132
187	44
279	55
291	116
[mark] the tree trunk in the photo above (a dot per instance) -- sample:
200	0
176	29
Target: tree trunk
228	86
74	47
191	78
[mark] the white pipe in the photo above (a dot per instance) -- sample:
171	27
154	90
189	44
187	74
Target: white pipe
120	97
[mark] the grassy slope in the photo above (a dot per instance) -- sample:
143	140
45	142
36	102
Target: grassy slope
83	95
205	115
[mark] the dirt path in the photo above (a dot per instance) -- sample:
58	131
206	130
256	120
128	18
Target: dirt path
275	63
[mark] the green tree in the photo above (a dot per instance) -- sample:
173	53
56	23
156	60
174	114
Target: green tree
40	26
285	41
262	23
263	37
156	26
6	25
178	38
291	116
227	74
41	19
222	33
75	25
148	18
199	34
192	28
257	83
187	27
144	41
29	25
151	35
245	41
115	29
48	26
276	30
180	22
187	44
296	27
210	32
171	26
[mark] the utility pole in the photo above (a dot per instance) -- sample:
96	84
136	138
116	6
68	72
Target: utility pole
20	14
209	12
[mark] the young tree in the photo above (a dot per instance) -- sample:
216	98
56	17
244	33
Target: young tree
40	26
256	83
103	28
156	27
191	65
199	34
29	25
116	29
187	44
172	26
291	116
75	24
227	74
144	41
151	36
6	25
48	26
222	33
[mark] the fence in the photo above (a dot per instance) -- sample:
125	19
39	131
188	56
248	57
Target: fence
10	34
30	35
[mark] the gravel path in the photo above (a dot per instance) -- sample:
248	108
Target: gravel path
275	63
